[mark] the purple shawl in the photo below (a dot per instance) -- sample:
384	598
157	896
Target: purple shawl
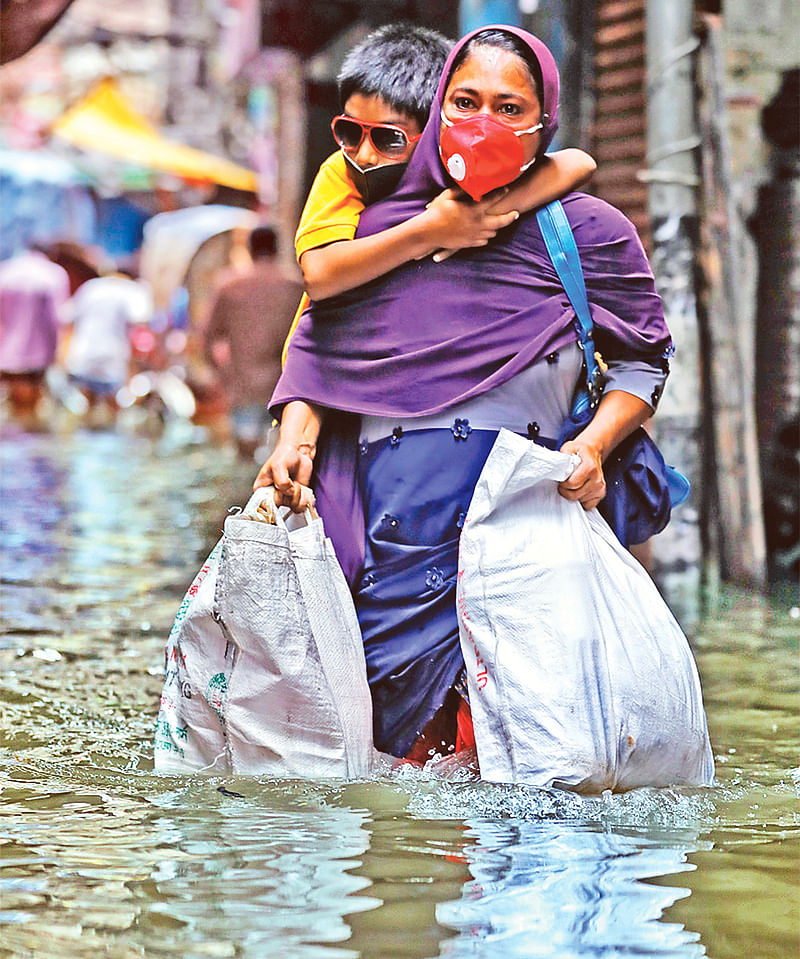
427	335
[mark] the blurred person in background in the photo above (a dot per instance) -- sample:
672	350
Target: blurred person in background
243	340
33	291
81	264
101	315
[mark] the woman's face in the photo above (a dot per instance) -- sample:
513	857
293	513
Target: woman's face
498	83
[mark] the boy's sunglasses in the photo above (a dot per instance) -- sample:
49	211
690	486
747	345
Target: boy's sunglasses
387	139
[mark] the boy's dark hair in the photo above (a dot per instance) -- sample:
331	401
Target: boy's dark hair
400	63
262	242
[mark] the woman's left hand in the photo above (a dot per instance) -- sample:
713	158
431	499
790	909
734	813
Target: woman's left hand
617	416
586	483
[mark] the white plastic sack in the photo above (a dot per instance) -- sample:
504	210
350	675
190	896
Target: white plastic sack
578	674
265	669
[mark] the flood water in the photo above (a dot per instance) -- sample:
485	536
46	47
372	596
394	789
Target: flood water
102	532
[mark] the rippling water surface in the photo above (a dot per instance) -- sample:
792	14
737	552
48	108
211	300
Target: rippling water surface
101	532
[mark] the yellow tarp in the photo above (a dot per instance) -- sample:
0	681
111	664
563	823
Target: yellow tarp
105	121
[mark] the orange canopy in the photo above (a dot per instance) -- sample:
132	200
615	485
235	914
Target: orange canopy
105	121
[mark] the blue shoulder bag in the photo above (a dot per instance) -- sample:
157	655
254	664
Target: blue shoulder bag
641	490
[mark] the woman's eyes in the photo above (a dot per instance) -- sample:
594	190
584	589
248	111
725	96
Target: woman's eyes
505	109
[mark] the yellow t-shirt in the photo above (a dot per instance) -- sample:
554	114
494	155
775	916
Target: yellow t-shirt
331	213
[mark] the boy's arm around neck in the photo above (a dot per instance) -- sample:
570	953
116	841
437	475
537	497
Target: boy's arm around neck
337	267
451	222
551	177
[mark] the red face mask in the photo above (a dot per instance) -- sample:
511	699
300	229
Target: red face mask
482	154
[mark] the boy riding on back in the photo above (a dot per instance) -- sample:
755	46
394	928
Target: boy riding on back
386	86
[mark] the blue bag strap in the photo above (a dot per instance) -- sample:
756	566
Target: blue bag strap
563	251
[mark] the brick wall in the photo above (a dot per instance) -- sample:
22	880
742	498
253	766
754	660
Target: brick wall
620	116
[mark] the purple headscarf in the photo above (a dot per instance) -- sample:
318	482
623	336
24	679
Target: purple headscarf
425	176
427	335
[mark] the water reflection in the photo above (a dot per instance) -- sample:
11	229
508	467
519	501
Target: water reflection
190	872
560	890
261	875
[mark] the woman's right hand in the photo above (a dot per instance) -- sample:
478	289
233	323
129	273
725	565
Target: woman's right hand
456	222
288	470
289	467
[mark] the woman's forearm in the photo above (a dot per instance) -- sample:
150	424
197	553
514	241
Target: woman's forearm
290	466
300	426
617	416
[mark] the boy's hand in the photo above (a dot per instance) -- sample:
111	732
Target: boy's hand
288	469
456	222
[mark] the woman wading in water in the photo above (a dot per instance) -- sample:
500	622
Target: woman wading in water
394	392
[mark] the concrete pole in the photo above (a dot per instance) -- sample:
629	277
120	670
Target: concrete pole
735	518
672	174
292	125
